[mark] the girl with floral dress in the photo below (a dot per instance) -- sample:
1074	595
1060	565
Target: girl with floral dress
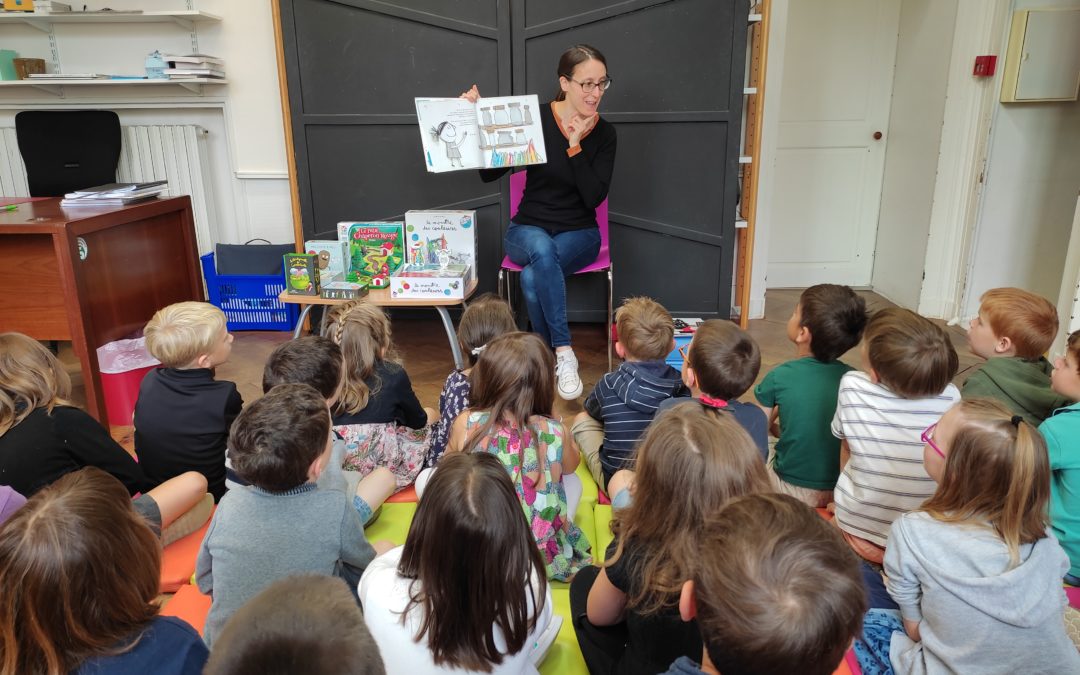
513	389
485	319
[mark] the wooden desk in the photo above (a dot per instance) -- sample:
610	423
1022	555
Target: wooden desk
381	297
138	259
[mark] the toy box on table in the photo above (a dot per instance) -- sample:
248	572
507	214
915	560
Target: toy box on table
332	256
301	274
430	281
375	250
441	238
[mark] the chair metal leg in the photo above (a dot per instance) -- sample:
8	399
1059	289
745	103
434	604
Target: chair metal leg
499	283
610	310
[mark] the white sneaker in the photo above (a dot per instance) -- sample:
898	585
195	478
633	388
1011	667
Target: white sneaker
566	375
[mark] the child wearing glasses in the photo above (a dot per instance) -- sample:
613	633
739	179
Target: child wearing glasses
625	400
974	570
1013	330
1062	433
880	413
801	394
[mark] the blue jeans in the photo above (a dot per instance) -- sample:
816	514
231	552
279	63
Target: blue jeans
547	258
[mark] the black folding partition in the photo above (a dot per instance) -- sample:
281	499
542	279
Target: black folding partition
354	66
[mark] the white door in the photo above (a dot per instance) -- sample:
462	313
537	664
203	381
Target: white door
836	86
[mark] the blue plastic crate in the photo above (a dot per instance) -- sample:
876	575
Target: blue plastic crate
250	302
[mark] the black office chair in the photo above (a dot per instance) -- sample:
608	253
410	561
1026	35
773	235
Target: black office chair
66	151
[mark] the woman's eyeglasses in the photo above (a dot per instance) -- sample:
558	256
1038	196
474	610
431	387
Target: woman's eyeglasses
928	438
589	87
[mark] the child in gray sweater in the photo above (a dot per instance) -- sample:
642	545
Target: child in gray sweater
975	571
284	523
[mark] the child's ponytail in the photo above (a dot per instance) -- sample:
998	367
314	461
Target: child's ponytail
997	473
1023	517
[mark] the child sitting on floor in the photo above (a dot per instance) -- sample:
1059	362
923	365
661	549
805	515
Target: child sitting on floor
624	401
827	321
306	623
80	572
693	459
377	413
43	437
513	390
974	570
1013	330
285	523
1062	433
183	415
909	363
485	319
775	590
433	609
317	361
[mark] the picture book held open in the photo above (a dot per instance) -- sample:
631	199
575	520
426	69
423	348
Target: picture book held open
492	133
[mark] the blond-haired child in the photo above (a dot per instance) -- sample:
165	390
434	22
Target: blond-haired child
624	401
183	415
880	413
1013	330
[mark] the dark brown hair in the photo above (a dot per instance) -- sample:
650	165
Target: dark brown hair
777	590
645	329
835	316
312	359
485	319
996	472
513	381
65	598
470	506
275	439
573	57
692	460
306	622
725	359
1073	345
911	355
1029	320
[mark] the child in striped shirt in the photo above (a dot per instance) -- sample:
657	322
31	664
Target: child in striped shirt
881	415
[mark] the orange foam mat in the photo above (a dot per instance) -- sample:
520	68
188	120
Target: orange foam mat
190	605
404	495
178	559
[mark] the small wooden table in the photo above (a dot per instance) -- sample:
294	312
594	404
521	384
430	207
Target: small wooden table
94	274
381	297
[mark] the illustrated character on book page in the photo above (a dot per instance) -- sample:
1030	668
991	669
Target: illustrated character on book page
452	140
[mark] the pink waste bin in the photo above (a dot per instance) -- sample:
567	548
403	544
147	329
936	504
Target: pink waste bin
123	364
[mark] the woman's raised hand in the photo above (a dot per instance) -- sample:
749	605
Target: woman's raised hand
473	95
578	126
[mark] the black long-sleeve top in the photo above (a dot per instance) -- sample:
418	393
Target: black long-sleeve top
44	447
392	400
182	421
563	193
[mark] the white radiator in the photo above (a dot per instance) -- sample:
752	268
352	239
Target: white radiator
174	152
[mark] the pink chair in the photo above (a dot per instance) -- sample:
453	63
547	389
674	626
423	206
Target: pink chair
601	264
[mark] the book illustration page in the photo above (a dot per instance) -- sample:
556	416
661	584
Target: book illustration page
510	131
449	134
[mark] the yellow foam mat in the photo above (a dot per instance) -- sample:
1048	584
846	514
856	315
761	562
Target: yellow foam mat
565	655
393	523
602	534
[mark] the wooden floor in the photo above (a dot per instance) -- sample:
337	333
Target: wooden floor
426	353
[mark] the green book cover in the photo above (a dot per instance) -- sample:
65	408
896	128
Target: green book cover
376	250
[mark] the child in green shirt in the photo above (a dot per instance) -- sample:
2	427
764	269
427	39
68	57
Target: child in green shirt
828	321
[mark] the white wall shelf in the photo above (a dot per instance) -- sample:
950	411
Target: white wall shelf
56	86
186	19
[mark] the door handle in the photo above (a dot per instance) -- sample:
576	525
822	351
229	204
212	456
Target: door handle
877	135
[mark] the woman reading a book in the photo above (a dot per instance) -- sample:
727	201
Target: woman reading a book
554	232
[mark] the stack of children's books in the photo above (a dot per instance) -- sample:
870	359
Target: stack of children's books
187	66
115	194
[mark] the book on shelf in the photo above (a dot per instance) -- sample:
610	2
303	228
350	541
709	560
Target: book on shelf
496	132
193	60
184	73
